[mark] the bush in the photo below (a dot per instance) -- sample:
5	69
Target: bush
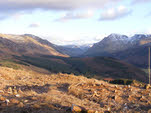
122	81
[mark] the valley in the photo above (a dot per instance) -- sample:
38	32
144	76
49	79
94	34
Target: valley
38	76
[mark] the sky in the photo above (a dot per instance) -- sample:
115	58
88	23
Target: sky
75	21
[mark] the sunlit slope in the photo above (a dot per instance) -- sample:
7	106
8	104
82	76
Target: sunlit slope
26	44
27	91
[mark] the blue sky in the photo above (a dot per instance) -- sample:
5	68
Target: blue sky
75	22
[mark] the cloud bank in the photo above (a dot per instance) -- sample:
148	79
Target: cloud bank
115	13
34	25
140	1
76	15
14	5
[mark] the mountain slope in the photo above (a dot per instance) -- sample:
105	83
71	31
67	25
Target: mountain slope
26	44
109	45
116	43
98	67
130	49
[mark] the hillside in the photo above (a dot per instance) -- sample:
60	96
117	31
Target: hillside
129	49
29	44
110	44
97	67
26	91
26	45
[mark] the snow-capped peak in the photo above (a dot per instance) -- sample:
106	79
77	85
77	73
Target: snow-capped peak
115	37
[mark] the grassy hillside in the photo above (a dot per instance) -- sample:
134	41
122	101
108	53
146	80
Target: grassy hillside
97	67
26	91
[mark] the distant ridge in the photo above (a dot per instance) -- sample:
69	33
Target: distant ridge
27	45
123	47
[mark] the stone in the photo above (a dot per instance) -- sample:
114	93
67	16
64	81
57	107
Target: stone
25	101
20	105
36	106
10	90
20	91
147	86
92	111
7	101
2	98
143	98
14	101
117	98
17	95
130	98
15	92
34	98
76	108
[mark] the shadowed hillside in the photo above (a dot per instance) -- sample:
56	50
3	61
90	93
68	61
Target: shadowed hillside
97	67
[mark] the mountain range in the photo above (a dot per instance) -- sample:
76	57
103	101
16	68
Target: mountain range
129	49
92	61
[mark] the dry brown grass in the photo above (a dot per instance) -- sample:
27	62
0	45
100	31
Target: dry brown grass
32	92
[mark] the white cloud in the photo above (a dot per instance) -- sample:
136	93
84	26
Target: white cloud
115	13
140	1
8	7
53	4
76	15
34	25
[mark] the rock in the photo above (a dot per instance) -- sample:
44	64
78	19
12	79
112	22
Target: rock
14	101
20	105
20	91
36	106
15	92
115	91
17	95
34	98
131	89
2	98
7	101
147	86
117	98
25	101
143	98
76	108
10	90
130	98
92	111
1	91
